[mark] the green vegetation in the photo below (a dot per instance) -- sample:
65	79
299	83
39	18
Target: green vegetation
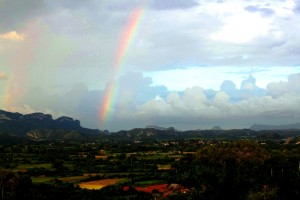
209	168
149	182
42	179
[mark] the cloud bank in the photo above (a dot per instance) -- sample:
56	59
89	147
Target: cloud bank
140	104
58	56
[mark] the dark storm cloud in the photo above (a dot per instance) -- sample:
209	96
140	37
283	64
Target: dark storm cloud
16	12
265	12
172	4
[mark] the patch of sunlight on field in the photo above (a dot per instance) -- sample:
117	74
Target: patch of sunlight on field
164	167
96	185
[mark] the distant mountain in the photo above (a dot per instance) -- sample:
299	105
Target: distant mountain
143	133
171	133
160	128
217	128
260	127
16	127
155	127
42	126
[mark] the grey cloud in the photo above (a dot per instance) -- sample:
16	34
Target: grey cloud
187	109
228	86
251	103
165	42
297	6
14	12
294	83
133	90
77	102
139	88
66	102
210	93
279	89
71	4
249	84
280	47
288	48
172	4
248	89
88	108
84	104
266	12
170	50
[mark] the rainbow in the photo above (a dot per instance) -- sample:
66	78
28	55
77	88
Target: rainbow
128	35
15	89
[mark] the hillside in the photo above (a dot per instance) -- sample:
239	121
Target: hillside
259	127
42	126
36	126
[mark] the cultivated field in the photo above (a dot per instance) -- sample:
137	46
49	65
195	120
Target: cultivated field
98	184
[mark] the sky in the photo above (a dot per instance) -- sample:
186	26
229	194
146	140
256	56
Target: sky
123	64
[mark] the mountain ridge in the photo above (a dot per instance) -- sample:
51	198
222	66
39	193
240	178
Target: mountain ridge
42	126
36	126
260	127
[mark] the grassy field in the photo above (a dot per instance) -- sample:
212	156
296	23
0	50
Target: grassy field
26	167
149	182
42	179
69	179
30	166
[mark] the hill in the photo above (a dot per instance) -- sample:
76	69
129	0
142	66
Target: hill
217	128
36	126
42	126
260	127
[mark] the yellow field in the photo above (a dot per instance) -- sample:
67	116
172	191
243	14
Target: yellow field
164	167
101	157
95	185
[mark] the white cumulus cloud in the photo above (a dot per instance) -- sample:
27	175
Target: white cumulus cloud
12	35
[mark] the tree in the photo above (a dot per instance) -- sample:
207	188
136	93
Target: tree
15	186
233	168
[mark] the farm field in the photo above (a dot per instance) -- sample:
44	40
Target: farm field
134	169
98	184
